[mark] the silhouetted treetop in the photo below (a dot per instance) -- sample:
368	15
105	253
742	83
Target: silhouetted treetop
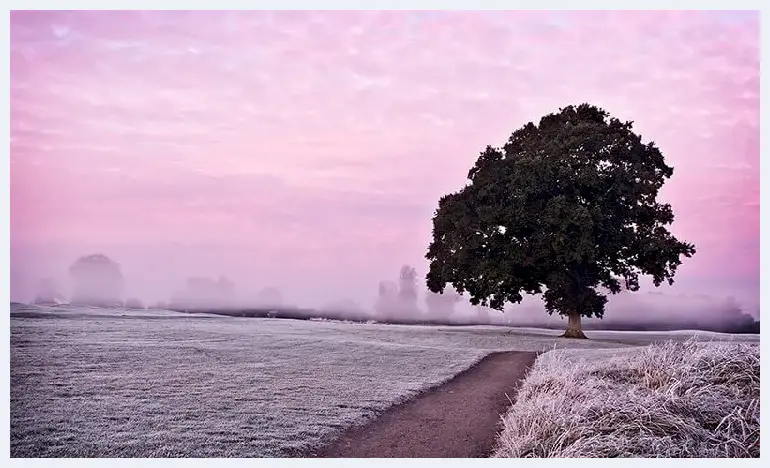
48	292
97	280
407	284
99	263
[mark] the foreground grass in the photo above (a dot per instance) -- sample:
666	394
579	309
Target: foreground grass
673	399
95	383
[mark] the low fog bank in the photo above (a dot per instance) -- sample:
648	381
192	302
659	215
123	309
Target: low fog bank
648	311
97	280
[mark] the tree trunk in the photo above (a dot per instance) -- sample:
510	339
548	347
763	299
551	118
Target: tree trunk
574	326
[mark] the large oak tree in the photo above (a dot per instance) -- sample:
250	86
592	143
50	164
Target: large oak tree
568	209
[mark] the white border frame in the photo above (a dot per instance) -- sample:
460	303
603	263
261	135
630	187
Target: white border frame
327	5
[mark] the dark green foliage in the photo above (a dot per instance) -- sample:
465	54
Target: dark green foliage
564	207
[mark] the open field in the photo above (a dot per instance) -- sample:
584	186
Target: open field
89	382
673	399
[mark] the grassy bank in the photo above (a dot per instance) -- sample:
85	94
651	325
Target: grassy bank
674	399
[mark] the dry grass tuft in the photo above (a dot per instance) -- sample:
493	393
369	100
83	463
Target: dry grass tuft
673	399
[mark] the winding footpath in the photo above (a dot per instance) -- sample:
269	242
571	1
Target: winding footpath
458	419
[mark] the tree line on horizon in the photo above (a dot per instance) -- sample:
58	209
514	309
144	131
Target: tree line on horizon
97	280
396	302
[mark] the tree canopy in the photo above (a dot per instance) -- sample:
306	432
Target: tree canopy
563	208
97	280
48	292
407	285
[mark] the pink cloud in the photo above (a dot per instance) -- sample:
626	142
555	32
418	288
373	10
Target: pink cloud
313	139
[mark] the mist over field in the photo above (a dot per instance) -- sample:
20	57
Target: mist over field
99	280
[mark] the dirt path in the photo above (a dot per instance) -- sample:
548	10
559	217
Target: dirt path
457	419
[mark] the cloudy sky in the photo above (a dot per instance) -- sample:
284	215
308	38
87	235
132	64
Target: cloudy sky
307	150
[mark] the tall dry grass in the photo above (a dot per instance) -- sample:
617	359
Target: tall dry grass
674	399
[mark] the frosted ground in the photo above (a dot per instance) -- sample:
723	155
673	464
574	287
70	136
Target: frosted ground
89	382
670	399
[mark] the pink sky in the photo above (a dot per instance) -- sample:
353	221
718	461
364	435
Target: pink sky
308	150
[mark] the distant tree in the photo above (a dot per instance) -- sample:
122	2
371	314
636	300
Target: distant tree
732	318
133	303
202	292
407	284
343	305
270	297
407	291
345	308
562	208
387	299
387	289
441	304
48	292
97	280
225	288
482	315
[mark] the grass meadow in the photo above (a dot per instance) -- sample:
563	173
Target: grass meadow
96	383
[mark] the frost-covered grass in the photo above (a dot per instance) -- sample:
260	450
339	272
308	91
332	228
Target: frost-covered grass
672	399
91	382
